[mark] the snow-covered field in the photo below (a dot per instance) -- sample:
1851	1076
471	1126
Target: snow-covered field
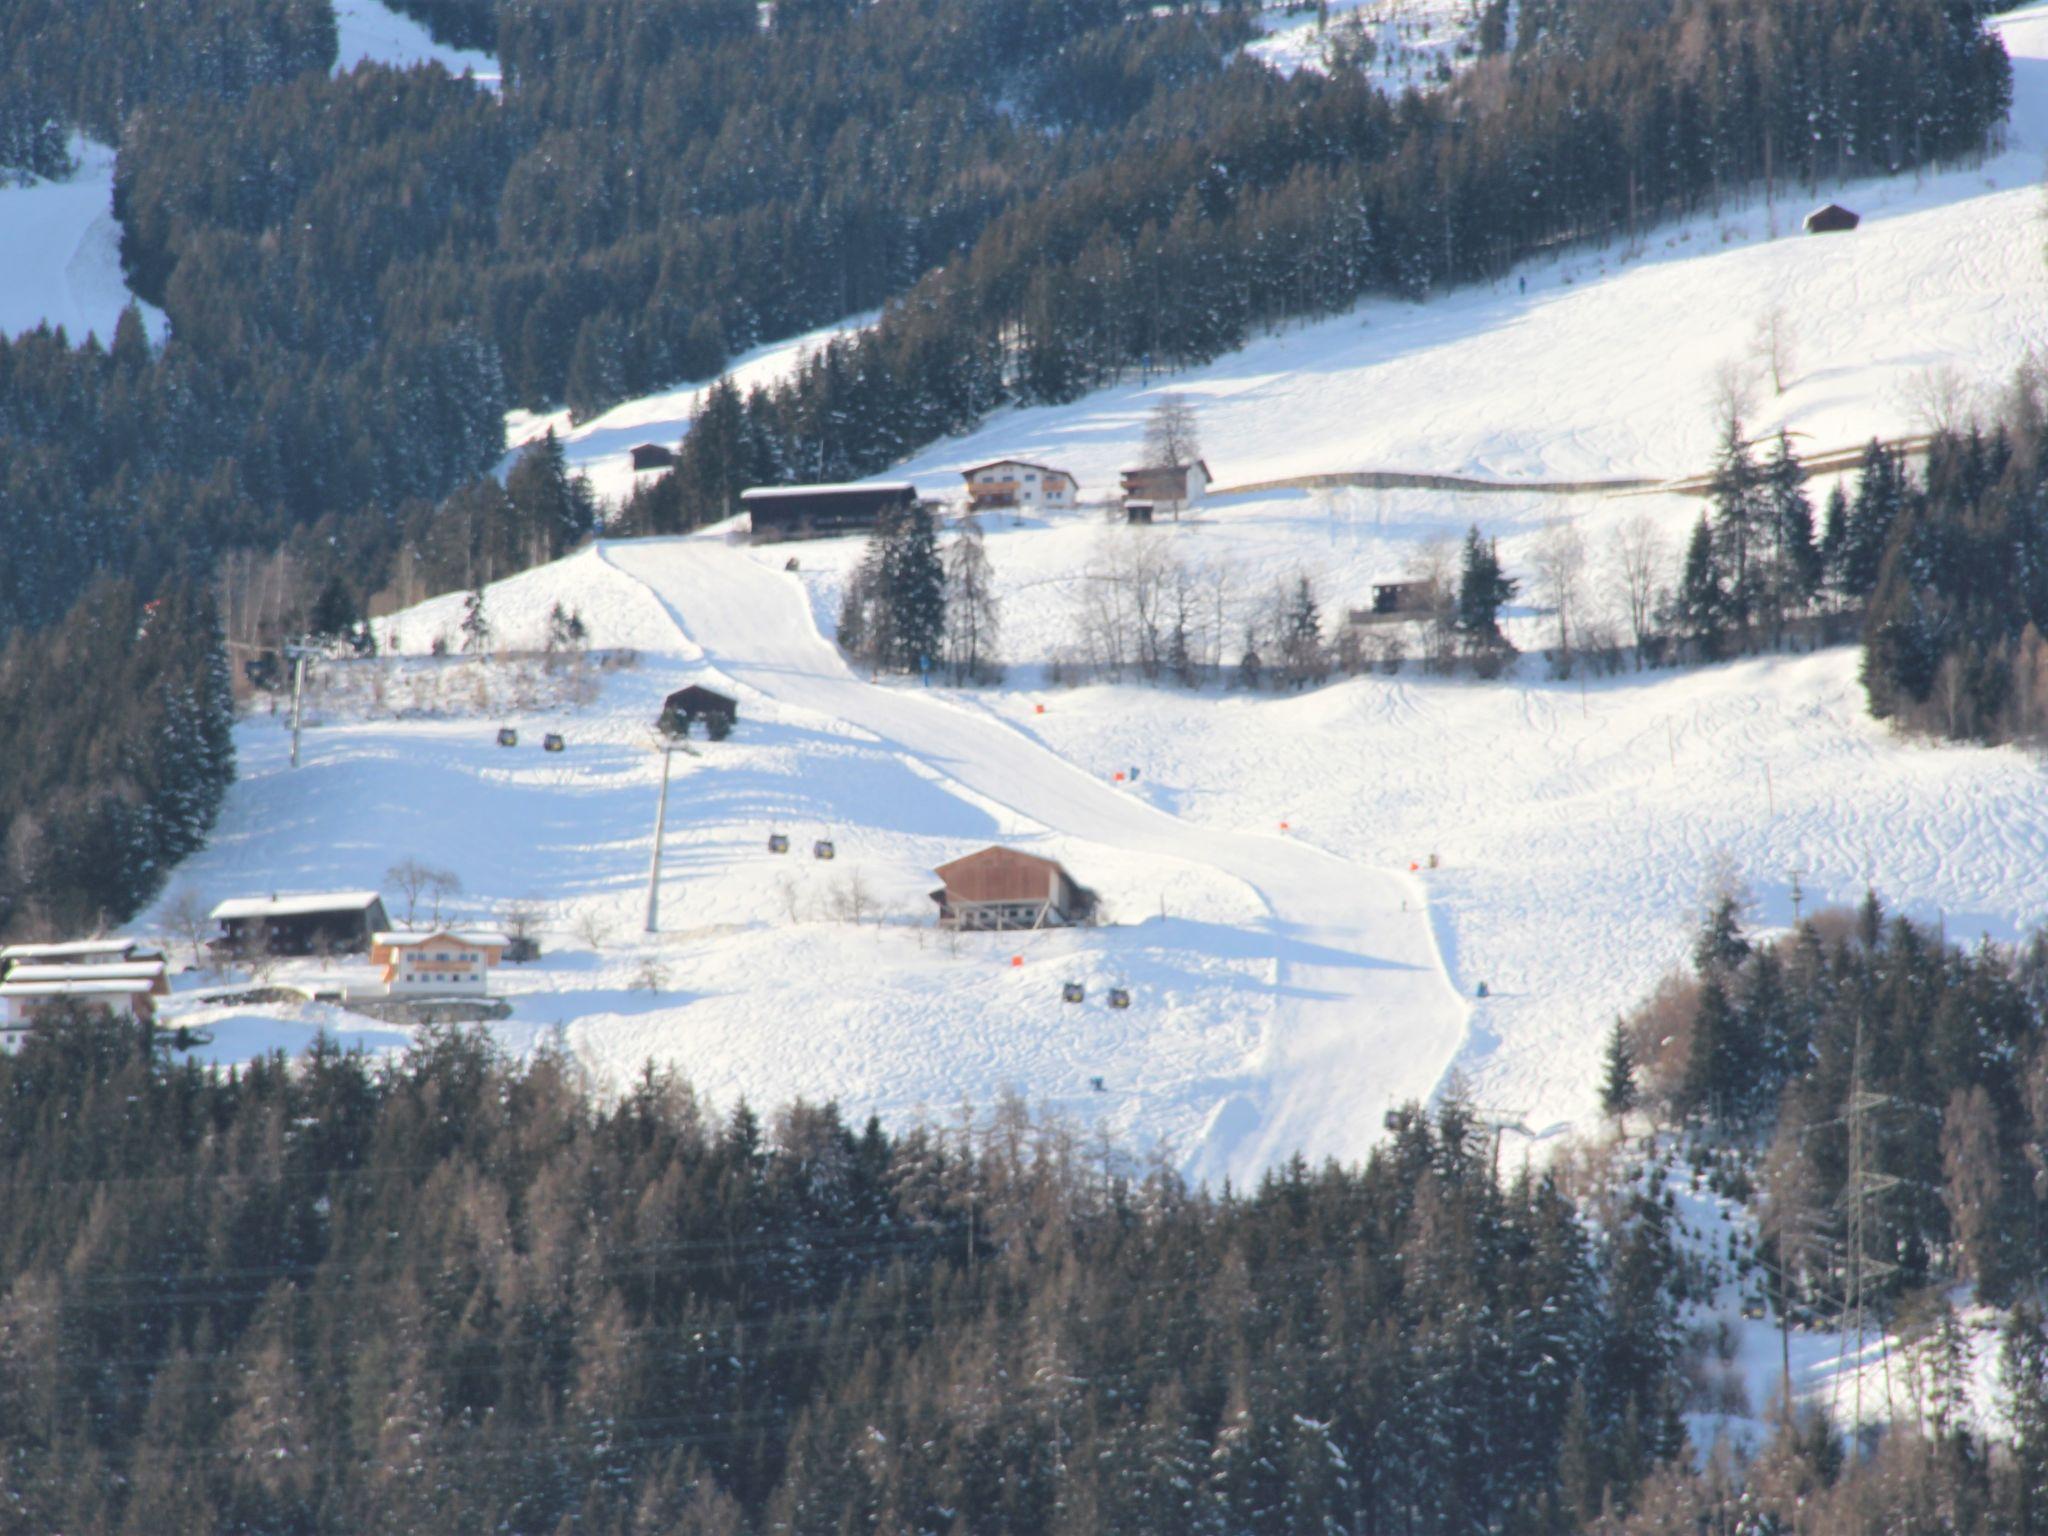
373	33
60	252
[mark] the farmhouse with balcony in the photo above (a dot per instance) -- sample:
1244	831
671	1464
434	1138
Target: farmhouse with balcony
438	962
1019	485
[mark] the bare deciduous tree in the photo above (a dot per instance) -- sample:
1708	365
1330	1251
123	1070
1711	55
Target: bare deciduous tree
185	913
593	927
1171	433
1731	392
1940	398
1775	340
1561	578
442	885
852	900
409	877
1637	557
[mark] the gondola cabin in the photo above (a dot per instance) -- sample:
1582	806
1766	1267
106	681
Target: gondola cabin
507	737
552	742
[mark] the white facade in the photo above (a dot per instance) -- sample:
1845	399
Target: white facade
448	962
1017	483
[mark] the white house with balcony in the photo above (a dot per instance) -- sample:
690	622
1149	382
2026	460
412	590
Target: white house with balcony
1018	484
438	962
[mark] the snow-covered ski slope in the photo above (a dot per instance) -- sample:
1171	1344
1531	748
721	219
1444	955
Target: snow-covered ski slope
1285	994
60	252
1364	1017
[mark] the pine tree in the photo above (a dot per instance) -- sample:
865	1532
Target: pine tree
1738	523
1797	563
914	581
1482	591
1302	653
1700	605
2023	1359
476	625
1618	1084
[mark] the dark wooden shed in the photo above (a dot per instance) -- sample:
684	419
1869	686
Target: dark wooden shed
1395	600
1002	888
778	512
1832	219
686	706
331	922
652	456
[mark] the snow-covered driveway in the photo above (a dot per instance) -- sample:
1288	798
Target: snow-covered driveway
1365	1015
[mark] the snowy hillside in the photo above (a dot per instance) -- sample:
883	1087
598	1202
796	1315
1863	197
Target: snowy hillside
373	33
1290	980
60	248
60	252
602	447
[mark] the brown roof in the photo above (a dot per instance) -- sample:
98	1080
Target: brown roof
1001	874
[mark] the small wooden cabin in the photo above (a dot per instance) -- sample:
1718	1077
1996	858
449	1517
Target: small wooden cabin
1002	888
1396	600
1831	219
329	922
686	706
779	512
652	456
1168	487
1139	512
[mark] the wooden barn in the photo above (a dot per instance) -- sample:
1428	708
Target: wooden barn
686	706
1832	219
779	512
652	456
327	922
1002	888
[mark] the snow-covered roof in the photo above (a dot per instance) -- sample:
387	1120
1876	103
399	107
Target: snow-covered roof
132	970
72	949
482	938
294	906
1020	463
768	492
116	987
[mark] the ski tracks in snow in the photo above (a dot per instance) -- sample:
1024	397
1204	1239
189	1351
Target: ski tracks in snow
1364	1015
